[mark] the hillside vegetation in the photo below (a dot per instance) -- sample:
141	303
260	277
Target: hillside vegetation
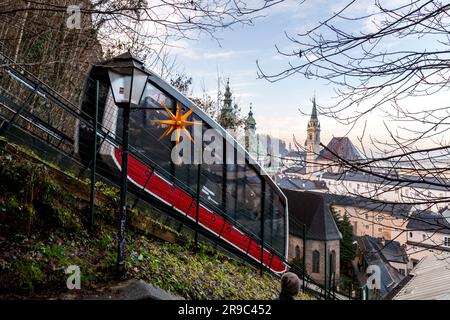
43	229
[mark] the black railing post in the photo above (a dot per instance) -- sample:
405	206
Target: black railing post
94	161
263	187
197	209
123	195
334	284
304	257
330	273
326	271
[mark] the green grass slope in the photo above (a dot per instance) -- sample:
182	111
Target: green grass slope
43	229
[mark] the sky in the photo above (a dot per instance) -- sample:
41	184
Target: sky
275	105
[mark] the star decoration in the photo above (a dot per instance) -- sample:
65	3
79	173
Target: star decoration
177	122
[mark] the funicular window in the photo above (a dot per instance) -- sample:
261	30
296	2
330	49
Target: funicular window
249	198
145	134
231	179
186	170
279	224
212	169
274	220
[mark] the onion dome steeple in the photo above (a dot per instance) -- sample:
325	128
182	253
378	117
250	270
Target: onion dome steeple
227	100
250	123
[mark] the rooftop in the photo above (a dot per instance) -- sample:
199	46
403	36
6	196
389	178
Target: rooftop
429	221
409	181
341	146
429	280
296	154
312	210
301	184
390	277
396	209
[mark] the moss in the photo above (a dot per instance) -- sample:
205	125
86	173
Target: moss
29	274
109	191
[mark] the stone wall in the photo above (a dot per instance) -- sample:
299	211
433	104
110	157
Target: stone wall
311	246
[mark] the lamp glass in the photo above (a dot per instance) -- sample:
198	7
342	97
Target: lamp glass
120	85
127	85
139	82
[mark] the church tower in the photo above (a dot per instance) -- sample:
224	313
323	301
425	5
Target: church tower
312	140
250	132
227	116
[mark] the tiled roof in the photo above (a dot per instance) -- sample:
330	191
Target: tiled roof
411	181
295	169
428	221
312	210
396	209
301	184
390	277
391	250
296	154
429	280
343	147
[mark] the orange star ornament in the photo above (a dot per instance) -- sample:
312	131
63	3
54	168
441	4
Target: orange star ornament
177	122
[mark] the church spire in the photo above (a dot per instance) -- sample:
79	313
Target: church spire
314	120
227	100
228	116
312	140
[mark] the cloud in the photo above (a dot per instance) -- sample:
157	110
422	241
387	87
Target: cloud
192	53
226	54
245	95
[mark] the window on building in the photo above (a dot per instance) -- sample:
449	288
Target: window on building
333	261
367	226
401	271
424	237
367	216
380	229
297	252
410	234
447	241
316	261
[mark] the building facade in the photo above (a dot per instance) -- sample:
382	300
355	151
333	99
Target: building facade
313	234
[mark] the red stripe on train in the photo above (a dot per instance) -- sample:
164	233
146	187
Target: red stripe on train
141	175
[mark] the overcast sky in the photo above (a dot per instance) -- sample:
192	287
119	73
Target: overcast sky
275	105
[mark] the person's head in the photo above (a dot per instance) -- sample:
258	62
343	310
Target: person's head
290	284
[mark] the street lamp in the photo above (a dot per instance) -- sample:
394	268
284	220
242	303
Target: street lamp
128	79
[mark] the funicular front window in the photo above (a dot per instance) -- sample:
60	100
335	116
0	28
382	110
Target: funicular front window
145	134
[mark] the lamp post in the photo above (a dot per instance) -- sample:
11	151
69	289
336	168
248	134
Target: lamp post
128	80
